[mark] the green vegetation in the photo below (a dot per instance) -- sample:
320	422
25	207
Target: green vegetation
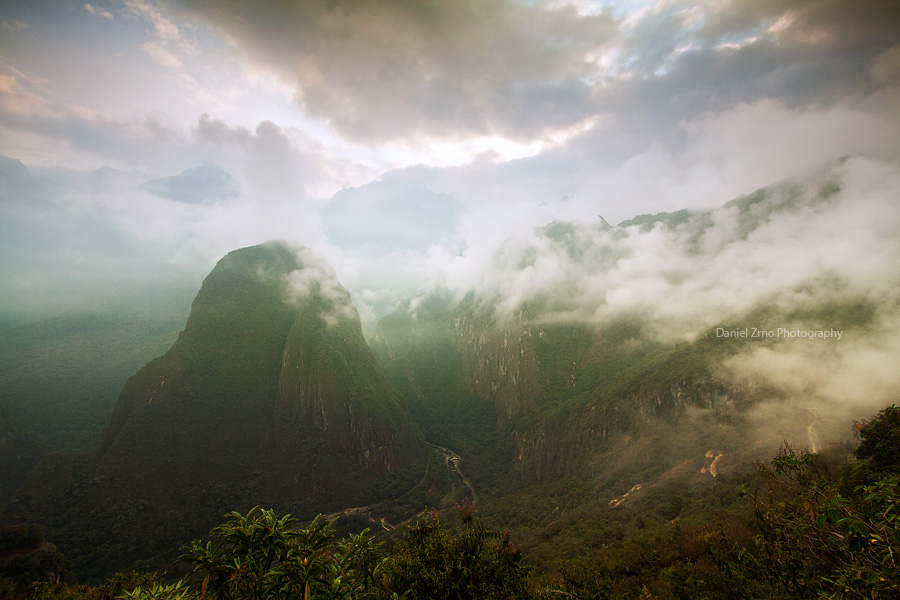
473	562
116	587
26	556
269	395
260	556
275	399
20	452
60	376
811	526
824	533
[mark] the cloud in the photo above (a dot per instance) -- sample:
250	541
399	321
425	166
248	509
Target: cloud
167	40
441	68
544	111
469	69
84	137
162	55
832	232
850	377
164	29
30	108
278	164
317	279
381	219
832	382
99	12
811	253
13	25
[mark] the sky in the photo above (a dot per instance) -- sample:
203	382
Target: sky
408	141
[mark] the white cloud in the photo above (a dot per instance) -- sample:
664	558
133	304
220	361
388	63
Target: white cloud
13	25
164	29
682	279
162	55
99	12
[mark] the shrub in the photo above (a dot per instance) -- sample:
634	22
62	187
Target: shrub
432	562
259	555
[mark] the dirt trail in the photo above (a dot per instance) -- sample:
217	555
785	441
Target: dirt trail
618	501
713	469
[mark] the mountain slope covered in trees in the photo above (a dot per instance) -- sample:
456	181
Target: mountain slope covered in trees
269	395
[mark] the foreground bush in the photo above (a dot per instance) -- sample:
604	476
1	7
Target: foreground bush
259	555
434	562
822	534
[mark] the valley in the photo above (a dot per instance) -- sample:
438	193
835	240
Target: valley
580	428
450	300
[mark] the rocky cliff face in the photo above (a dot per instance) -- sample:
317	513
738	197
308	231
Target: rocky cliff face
465	347
269	396
564	395
595	428
500	362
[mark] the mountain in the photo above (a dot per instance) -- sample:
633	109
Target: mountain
20	188
206	184
269	396
599	381
651	363
14	176
548	400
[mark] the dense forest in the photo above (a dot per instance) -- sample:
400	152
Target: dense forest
807	525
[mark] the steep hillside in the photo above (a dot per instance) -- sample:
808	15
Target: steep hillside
648	363
269	396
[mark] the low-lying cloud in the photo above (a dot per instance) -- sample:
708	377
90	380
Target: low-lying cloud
829	236
814	253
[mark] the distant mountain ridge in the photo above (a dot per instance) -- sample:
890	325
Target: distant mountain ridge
206	184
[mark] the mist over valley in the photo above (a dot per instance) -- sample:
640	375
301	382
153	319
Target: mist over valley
592	299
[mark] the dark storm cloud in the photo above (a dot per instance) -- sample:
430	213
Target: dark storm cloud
386	69
391	69
832	25
685	61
